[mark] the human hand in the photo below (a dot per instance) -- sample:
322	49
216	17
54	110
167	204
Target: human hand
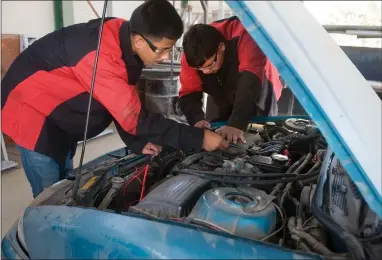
203	124
231	134
213	141
151	149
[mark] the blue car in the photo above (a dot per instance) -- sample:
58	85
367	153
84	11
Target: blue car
300	188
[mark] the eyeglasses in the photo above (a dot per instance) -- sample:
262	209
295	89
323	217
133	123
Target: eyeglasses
210	66
153	47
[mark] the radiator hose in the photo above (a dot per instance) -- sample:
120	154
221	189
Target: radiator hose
318	247
116	184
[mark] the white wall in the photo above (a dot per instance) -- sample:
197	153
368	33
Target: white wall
83	13
36	18
32	18
123	9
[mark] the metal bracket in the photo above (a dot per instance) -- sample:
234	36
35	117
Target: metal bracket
5	162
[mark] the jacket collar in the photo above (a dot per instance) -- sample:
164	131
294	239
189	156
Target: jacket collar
128	55
229	53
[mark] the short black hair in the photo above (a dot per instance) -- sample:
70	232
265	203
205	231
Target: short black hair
200	43
157	19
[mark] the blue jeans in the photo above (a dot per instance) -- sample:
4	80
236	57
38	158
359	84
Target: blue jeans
41	170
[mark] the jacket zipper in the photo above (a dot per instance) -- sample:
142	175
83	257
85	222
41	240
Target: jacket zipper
220	83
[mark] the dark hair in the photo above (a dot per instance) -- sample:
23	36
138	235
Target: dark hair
200	43
157	19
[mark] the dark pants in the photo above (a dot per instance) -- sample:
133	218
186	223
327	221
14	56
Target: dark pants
217	110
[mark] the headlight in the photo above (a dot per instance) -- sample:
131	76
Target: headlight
20	232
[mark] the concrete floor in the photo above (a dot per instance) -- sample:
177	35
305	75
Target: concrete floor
16	193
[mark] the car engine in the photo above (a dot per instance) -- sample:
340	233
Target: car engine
265	189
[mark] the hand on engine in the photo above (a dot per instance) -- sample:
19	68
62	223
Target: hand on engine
203	124
231	134
151	149
213	141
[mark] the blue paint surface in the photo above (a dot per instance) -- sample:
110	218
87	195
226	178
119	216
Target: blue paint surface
10	247
72	233
310	104
215	207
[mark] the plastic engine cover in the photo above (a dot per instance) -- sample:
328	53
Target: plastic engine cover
246	212
173	198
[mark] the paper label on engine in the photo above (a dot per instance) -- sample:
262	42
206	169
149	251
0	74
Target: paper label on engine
89	183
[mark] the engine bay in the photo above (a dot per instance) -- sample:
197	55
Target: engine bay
283	186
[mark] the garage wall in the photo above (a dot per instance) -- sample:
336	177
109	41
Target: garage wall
36	18
82	11
123	9
32	18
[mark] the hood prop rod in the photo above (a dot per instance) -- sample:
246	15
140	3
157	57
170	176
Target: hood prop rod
78	175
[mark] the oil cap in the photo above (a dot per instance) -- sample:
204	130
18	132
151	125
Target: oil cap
270	124
280	158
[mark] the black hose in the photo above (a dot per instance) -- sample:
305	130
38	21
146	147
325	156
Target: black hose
273	143
165	168
304	163
318	163
211	164
269	133
300	137
307	182
294	200
255	182
140	162
285	193
304	247
314	243
190	160
300	211
296	172
296	164
277	148
280	185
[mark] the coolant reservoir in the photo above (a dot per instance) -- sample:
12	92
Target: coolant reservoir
246	212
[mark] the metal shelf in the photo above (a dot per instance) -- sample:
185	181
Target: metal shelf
5	162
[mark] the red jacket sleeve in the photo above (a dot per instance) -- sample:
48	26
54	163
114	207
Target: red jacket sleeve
251	57
251	68
122	101
191	93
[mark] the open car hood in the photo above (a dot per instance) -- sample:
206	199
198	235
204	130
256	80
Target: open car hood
326	83
74	233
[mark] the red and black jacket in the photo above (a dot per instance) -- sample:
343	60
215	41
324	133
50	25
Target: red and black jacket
247	79
44	94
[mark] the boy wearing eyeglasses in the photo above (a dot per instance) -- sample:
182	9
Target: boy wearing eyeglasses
222	60
45	92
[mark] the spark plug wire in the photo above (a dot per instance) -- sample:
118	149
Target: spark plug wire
144	182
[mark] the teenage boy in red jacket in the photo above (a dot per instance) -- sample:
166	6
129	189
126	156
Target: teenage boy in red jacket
224	61
46	90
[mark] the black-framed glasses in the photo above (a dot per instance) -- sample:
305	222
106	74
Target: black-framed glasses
153	47
210	66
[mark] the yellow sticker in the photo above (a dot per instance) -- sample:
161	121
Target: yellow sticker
89	183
